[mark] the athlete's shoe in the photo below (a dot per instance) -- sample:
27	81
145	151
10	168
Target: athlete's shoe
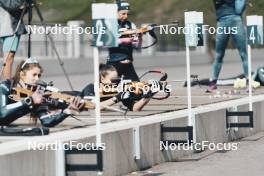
212	86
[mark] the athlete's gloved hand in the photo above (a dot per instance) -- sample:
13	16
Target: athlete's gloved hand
122	96
155	87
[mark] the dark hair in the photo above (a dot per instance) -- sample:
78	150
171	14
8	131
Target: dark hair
104	70
27	67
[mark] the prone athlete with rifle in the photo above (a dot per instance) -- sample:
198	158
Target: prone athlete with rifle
133	95
17	100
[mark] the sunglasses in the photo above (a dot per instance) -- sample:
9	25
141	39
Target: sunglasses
30	60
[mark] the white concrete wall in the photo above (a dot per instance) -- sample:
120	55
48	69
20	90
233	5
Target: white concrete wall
118	156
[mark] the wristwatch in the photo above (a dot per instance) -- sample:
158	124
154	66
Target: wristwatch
28	101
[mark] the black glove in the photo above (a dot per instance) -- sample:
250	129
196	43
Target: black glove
155	87
122	96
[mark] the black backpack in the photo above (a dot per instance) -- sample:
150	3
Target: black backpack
11	5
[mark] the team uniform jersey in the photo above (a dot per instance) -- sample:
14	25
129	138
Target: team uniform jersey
123	51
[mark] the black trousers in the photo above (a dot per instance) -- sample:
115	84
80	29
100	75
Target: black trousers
127	70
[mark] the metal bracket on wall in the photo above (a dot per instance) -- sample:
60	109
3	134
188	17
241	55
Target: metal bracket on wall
186	129
248	114
85	167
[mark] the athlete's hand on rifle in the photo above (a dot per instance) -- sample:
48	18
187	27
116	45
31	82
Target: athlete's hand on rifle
74	107
122	96
135	41
125	40
154	87
132	38
76	104
39	97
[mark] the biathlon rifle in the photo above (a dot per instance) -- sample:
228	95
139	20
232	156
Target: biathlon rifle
136	33
21	93
138	88
143	30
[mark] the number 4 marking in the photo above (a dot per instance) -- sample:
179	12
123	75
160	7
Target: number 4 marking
252	35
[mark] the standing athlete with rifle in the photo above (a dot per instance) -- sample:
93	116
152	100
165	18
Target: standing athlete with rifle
121	57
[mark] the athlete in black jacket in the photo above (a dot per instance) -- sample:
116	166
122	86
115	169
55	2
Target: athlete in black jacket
121	57
133	102
28	73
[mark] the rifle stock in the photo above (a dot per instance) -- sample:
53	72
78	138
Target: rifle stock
21	93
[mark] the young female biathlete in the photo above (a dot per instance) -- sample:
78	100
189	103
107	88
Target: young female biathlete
108	74
29	72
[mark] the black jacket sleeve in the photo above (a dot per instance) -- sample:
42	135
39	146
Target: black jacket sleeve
50	118
88	90
9	111
129	104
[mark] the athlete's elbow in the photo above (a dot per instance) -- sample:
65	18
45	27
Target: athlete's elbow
4	120
47	124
